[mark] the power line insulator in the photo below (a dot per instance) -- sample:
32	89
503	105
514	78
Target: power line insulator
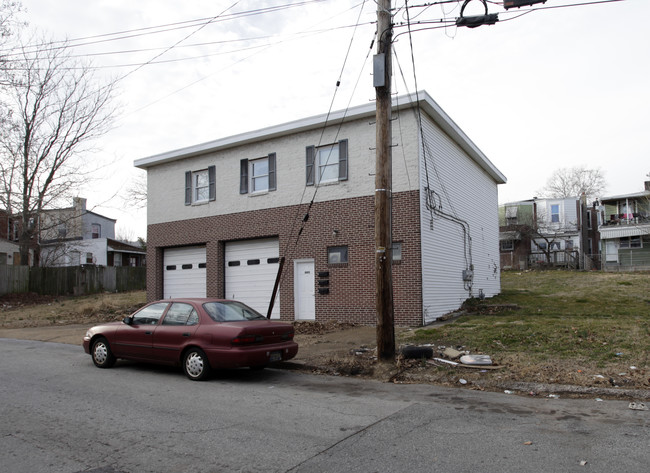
476	20
507	4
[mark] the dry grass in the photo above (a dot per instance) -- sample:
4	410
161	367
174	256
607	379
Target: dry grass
569	328
29	310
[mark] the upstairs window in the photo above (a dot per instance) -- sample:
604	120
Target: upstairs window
200	186
511	215
326	164
96	231
555	213
257	175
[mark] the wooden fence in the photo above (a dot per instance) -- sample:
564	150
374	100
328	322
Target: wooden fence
72	280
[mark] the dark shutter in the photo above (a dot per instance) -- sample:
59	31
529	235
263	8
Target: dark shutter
188	187
311	154
343	160
212	178
243	176
272	179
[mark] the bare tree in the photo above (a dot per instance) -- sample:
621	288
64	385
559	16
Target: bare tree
54	110
136	194
573	182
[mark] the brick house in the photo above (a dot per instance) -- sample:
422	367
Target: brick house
222	214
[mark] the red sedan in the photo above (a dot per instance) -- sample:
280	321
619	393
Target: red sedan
198	334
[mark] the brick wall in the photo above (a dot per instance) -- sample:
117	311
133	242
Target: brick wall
351	295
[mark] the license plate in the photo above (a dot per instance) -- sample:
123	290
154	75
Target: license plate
275	356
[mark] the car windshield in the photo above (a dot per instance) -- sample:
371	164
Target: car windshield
231	311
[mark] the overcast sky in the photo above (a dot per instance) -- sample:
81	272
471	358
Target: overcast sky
556	87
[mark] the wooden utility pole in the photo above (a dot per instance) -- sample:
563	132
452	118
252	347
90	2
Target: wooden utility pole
383	183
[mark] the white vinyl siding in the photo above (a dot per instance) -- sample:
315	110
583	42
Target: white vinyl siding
251	270
184	272
469	194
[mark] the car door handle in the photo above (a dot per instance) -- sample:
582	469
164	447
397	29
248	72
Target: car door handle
186	334
148	333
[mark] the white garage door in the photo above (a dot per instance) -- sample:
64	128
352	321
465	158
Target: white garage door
251	269
184	272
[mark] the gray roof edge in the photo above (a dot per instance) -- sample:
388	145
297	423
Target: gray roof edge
633	195
401	102
450	127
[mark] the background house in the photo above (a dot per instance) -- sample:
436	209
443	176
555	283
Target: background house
625	230
548	232
9	248
75	236
222	214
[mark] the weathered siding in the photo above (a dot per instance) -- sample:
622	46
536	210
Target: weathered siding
464	193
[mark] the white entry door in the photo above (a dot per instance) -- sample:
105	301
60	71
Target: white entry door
611	251
304	290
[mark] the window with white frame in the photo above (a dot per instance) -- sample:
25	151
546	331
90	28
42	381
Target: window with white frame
258	175
326	164
200	186
555	213
96	231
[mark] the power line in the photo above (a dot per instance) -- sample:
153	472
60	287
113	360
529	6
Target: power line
150	30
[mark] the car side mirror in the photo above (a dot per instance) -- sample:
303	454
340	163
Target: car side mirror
127	320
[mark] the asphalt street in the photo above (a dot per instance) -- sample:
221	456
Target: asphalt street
61	414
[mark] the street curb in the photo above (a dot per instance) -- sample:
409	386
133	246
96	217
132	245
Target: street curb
520	387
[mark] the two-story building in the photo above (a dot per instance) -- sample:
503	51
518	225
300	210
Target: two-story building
625	230
75	236
222	214
548	232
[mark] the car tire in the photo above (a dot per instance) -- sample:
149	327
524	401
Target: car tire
417	352
102	355
196	365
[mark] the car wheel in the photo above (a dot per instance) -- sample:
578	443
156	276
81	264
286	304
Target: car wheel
196	365
102	355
